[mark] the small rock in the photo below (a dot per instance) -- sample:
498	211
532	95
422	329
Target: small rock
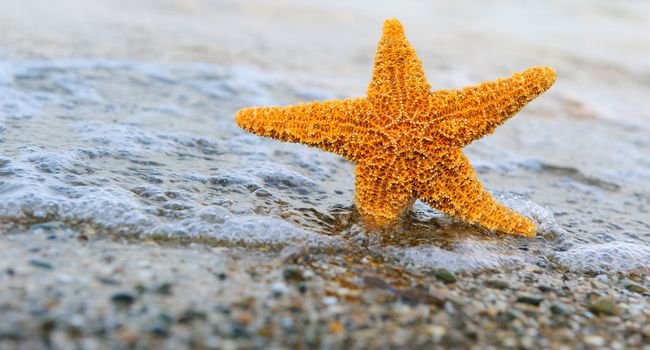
633	287
419	295
42	264
159	331
291	274
544	289
445	276
190	315
279	289
437	332
127	336
505	317
336	327
558	309
164	289
47	226
375	282
530	299
64	279
602	278
123	299
604	306
594	340
497	284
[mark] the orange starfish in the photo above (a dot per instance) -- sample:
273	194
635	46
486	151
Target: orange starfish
406	140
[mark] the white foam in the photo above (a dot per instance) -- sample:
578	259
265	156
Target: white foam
543	217
465	256
606	257
270	230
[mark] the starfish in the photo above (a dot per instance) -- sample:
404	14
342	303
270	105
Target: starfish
406	140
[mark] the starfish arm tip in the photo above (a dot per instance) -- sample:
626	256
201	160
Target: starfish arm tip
545	75
241	116
524	227
531	232
393	27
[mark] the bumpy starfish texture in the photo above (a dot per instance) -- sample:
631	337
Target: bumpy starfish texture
406	140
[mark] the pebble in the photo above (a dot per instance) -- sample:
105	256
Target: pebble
445	276
291	274
420	294
164	289
497	284
594	340
602	278
558	309
604	306
47	226
63	279
530	299
41	264
505	317
633	287
437	332
279	289
190	315
123	299
336	327
375	282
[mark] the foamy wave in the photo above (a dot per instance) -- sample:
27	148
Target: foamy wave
464	257
606	257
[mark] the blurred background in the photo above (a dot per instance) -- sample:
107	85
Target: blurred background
599	48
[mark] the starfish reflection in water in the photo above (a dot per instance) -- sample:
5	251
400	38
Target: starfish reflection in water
406	140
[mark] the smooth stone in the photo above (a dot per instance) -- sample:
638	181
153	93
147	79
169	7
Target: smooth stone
291	274
445	276
123	299
41	264
375	282
497	284
48	226
530	299
558	309
604	306
633	287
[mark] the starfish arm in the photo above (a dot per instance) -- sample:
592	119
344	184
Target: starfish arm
381	192
328	125
452	186
468	114
398	82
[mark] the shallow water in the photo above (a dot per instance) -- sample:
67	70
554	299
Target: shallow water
150	149
135	147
